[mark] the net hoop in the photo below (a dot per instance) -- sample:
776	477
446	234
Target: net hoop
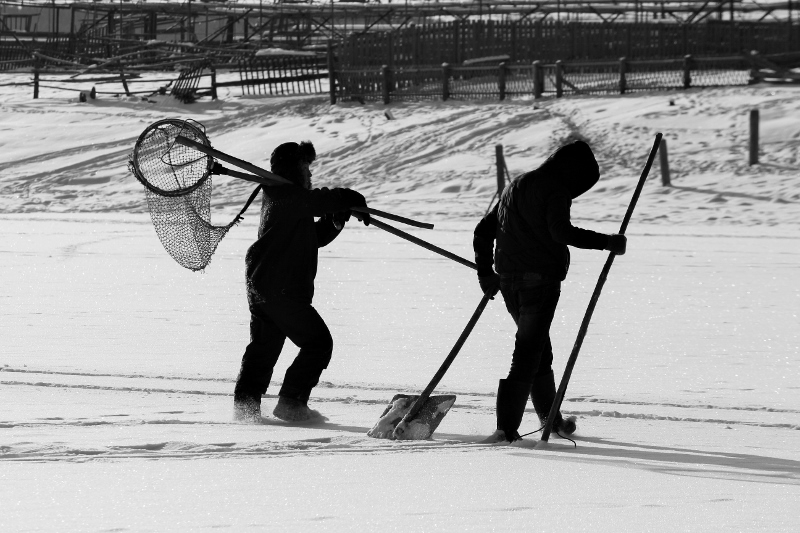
165	167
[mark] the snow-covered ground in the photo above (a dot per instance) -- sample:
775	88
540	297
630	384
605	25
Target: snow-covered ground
117	366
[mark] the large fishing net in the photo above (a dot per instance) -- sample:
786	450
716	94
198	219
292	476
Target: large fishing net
177	181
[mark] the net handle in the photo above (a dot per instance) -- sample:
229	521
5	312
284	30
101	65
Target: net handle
268	177
223	171
265	177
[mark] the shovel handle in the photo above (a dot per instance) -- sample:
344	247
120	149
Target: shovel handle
425	394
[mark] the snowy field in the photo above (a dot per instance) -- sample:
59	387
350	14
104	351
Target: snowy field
117	365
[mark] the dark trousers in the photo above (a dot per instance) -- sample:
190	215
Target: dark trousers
272	321
532	302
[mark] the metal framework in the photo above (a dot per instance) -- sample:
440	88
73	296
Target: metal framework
293	21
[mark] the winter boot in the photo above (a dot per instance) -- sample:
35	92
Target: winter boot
567	426
247	409
294	410
543	393
511	399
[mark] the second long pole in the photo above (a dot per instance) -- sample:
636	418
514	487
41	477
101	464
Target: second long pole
562	389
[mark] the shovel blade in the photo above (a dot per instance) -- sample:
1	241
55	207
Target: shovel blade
421	427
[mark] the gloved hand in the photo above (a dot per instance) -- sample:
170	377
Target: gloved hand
338	219
617	244
353	198
356	199
490	283
363	217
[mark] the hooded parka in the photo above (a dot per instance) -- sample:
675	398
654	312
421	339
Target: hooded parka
531	222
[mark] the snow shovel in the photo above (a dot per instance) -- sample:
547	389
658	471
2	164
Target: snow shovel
417	417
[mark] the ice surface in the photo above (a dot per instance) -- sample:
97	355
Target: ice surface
117	366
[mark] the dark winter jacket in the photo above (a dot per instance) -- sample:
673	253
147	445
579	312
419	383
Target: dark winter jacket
284	258
531	222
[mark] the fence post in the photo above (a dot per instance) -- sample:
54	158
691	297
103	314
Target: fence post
72	29
687	71
664	160
112	23
538	79
153	25
623	81
416	44
559	79
501	81
390	51
124	82
456	41
386	76
36	78
513	41
445	81
501	167
213	81
331	73
754	74
229	29
753	136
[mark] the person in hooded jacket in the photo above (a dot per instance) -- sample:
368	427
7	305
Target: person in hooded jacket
532	230
280	270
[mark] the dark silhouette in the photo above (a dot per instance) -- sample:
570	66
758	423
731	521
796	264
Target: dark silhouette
532	229
280	269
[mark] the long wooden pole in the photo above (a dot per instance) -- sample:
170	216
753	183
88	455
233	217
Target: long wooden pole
562	389
271	179
265	177
420	242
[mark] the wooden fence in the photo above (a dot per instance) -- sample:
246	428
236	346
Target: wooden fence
281	75
306	74
272	75
130	55
120	84
187	87
14	56
544	40
561	78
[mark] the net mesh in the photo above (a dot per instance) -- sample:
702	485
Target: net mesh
178	188
167	167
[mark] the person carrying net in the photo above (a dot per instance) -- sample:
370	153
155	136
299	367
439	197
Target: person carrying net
280	270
